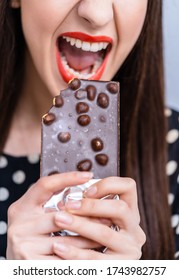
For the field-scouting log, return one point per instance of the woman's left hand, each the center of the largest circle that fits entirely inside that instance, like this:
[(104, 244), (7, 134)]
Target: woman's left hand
[(123, 244)]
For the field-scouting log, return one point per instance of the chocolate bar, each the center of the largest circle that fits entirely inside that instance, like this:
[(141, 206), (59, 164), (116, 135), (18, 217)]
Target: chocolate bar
[(81, 130)]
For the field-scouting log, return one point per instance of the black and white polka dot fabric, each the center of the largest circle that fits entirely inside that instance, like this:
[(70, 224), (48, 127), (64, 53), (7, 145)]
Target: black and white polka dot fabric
[(172, 170), (18, 173)]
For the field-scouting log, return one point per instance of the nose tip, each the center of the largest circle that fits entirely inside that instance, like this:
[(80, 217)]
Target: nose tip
[(97, 13)]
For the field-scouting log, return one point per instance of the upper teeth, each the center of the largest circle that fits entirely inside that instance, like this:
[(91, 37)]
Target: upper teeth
[(86, 46)]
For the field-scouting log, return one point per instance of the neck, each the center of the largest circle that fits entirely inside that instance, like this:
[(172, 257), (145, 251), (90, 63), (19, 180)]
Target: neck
[(36, 99), (25, 132)]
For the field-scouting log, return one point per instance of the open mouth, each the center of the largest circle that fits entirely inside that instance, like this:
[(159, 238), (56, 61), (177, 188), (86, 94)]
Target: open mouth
[(82, 56)]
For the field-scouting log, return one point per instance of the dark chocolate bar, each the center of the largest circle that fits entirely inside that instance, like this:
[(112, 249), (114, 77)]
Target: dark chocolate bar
[(81, 130)]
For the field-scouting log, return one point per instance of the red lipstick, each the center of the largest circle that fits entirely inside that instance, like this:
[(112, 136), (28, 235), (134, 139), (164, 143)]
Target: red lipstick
[(87, 38)]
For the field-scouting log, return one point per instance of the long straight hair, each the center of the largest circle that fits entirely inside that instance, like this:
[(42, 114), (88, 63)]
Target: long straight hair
[(143, 127), (11, 65), (143, 133)]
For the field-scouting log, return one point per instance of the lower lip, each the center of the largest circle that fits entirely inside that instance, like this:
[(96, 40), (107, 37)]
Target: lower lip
[(68, 76)]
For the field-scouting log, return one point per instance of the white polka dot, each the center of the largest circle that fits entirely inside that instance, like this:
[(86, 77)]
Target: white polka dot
[(33, 158), (18, 177), (3, 162), (177, 254), (168, 112), (3, 227), (171, 167), (170, 198), (4, 194), (172, 136), (2, 258), (178, 179), (175, 220)]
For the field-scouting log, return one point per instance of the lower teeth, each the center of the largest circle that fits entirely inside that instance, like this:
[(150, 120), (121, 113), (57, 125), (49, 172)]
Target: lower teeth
[(78, 74)]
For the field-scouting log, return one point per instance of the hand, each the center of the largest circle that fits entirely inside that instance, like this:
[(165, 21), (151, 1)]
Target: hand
[(125, 244), (29, 227)]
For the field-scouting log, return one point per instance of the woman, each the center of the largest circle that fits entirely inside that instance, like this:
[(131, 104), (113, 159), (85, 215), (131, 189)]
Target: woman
[(31, 76)]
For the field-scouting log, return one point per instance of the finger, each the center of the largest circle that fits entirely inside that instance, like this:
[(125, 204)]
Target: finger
[(80, 242), (124, 187), (43, 246), (97, 232), (116, 210), (41, 191), (45, 224), (68, 252)]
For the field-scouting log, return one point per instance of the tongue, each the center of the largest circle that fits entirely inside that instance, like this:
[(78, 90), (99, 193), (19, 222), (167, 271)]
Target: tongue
[(77, 58)]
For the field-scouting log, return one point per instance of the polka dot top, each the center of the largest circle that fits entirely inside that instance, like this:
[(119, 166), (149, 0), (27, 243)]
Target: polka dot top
[(172, 170), (17, 174)]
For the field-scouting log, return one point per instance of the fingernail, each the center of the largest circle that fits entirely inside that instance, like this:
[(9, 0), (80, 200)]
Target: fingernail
[(64, 218), (86, 175), (73, 204), (61, 247), (90, 191)]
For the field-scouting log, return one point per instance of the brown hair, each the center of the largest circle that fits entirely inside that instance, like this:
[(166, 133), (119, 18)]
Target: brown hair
[(11, 68), (143, 131), (143, 128)]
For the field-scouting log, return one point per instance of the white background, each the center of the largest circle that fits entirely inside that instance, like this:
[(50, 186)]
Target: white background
[(171, 51)]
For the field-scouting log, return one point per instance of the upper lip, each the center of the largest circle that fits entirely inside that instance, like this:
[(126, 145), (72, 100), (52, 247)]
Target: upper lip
[(86, 42), (87, 38)]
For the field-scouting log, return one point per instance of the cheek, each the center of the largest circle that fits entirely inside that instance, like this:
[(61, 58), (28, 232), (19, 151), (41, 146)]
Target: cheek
[(129, 22), (131, 30), (41, 20), (44, 16), (36, 21)]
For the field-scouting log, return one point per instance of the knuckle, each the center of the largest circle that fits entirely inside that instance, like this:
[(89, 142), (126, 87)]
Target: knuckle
[(131, 183), (106, 182), (12, 210), (135, 248), (137, 253), (42, 184), (12, 237), (18, 247), (110, 180), (14, 244), (21, 250), (142, 237), (138, 219)]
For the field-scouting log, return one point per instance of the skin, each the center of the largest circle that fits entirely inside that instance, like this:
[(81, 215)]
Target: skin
[(122, 21)]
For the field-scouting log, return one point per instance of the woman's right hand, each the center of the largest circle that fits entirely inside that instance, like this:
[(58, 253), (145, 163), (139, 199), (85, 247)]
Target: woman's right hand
[(29, 227)]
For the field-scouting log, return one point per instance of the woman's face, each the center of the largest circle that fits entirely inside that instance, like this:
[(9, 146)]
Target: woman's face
[(89, 39)]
